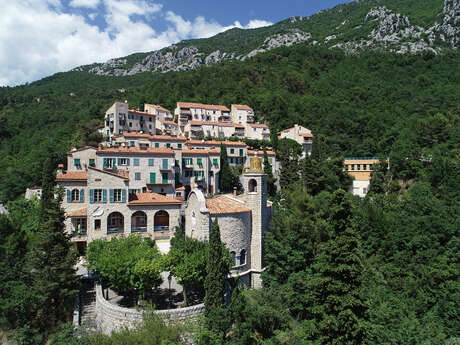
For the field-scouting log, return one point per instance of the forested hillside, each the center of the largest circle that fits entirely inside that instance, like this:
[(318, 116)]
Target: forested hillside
[(362, 105)]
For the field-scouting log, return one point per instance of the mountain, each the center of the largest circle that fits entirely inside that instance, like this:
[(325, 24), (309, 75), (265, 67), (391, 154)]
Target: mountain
[(409, 26)]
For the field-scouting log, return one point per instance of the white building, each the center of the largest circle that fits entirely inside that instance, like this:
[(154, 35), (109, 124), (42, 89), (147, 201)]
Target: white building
[(242, 114), (257, 131), (301, 135)]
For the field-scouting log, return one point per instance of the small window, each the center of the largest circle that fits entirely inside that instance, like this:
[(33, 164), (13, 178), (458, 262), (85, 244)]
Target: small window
[(157, 145), (77, 162), (92, 162), (131, 143), (123, 161), (150, 126), (233, 254), (364, 190), (364, 166), (117, 195), (358, 166), (136, 162), (252, 186), (242, 257), (137, 176), (179, 146), (150, 162), (168, 145), (97, 224), (352, 167), (98, 195), (130, 124), (75, 195), (215, 162), (232, 151)]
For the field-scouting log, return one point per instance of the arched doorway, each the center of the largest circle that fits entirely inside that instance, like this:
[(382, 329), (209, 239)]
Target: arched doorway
[(252, 186), (139, 222), (115, 222), (161, 221)]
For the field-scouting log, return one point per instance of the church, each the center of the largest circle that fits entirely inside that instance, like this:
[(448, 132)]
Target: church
[(243, 220)]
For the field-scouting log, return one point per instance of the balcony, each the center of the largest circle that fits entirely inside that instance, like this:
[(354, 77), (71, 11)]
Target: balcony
[(162, 183)]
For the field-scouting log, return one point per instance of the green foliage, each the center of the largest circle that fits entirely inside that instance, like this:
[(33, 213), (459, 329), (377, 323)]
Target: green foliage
[(129, 264), (217, 269), (268, 170), (225, 174), (187, 262), (288, 152)]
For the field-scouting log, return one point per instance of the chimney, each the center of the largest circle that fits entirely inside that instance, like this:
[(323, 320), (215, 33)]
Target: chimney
[(61, 169), (234, 191)]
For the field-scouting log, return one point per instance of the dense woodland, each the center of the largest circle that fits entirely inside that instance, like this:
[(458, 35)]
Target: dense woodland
[(340, 270)]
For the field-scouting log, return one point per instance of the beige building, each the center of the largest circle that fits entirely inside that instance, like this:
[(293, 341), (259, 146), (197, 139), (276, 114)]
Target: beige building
[(119, 120), (242, 114), (257, 131), (243, 220), (236, 150), (197, 129), (301, 135), (188, 111), (361, 170)]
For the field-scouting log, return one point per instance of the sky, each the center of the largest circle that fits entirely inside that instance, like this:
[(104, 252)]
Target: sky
[(41, 37)]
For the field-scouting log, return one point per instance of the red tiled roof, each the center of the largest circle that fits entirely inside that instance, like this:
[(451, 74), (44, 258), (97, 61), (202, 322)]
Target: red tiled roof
[(80, 149), (168, 122), (158, 107), (202, 106), (222, 204), (200, 152), (134, 135), (168, 138), (260, 153), (78, 213), (306, 135), (151, 199), (220, 124), (119, 173), (180, 188), (258, 125), (135, 151), (215, 143), (76, 176), (137, 112), (242, 106)]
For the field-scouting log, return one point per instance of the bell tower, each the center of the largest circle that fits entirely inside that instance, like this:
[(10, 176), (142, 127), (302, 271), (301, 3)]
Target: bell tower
[(255, 193)]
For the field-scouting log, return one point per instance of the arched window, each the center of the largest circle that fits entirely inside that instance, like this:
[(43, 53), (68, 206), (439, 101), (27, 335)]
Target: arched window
[(252, 186), (75, 195), (115, 222), (242, 257), (161, 221), (233, 254), (139, 222)]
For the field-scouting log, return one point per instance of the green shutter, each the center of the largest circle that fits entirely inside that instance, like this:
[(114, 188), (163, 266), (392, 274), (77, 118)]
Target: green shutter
[(152, 178), (136, 162), (131, 143), (105, 163), (114, 162), (69, 198), (232, 150), (123, 195), (165, 163), (76, 161), (82, 195), (104, 196), (92, 162), (168, 145), (150, 162), (164, 177), (137, 176), (127, 161), (200, 161), (157, 144), (119, 161), (241, 152), (179, 146), (91, 196), (214, 161), (111, 195)]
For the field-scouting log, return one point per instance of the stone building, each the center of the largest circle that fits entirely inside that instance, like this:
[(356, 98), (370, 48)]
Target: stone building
[(243, 220), (242, 114), (301, 135)]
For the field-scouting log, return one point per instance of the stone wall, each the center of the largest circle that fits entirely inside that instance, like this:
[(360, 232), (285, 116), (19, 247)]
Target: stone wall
[(110, 317)]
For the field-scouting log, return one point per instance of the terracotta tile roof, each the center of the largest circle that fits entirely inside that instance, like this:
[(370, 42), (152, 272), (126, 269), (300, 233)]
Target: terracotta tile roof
[(215, 143), (223, 204), (219, 124), (134, 135), (118, 173), (260, 153), (72, 150), (151, 199), (138, 112), (242, 107), (200, 152), (158, 107), (76, 176), (78, 213), (126, 151), (168, 122), (202, 106), (258, 125), (167, 137), (180, 188), (306, 135)]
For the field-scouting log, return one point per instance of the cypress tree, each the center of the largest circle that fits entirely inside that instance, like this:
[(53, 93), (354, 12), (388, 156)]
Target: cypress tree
[(289, 154), (225, 175), (216, 270), (338, 309), (271, 188), (51, 260)]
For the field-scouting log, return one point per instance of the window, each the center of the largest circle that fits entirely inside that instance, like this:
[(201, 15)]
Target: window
[(150, 119), (139, 222), (157, 145), (161, 221), (137, 176), (134, 191), (371, 166), (241, 152), (168, 145), (358, 166), (98, 194), (92, 162), (75, 195), (200, 162), (150, 126), (364, 166), (242, 257), (364, 190), (232, 151), (152, 178), (164, 177), (215, 162), (179, 146), (123, 161), (150, 162), (115, 222), (131, 143), (80, 226), (233, 254), (97, 224), (352, 167), (76, 161), (130, 124), (254, 129), (117, 195), (136, 162), (252, 186)]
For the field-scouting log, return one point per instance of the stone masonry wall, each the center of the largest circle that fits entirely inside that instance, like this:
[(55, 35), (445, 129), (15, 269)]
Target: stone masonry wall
[(110, 317)]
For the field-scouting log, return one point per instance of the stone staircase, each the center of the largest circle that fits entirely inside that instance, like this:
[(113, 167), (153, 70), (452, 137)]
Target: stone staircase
[(87, 309)]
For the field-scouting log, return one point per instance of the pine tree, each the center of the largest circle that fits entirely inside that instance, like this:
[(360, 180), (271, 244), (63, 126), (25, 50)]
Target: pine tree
[(216, 270), (338, 309), (378, 178), (225, 175), (51, 260), (271, 188)]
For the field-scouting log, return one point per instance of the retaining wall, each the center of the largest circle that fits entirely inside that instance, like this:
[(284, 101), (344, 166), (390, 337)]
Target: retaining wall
[(110, 317)]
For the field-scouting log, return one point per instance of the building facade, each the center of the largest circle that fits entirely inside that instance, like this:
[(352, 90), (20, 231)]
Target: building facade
[(301, 135), (361, 170)]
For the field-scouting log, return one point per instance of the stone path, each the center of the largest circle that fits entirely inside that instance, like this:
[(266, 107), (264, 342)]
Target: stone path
[(87, 308)]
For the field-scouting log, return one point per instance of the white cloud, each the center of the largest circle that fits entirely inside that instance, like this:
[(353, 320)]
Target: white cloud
[(84, 3), (39, 40)]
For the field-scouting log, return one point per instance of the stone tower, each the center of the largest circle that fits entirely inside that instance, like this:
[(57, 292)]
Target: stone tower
[(255, 193)]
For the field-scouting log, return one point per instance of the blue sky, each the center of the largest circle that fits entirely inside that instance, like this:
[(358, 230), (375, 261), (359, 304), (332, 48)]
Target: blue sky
[(42, 37)]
